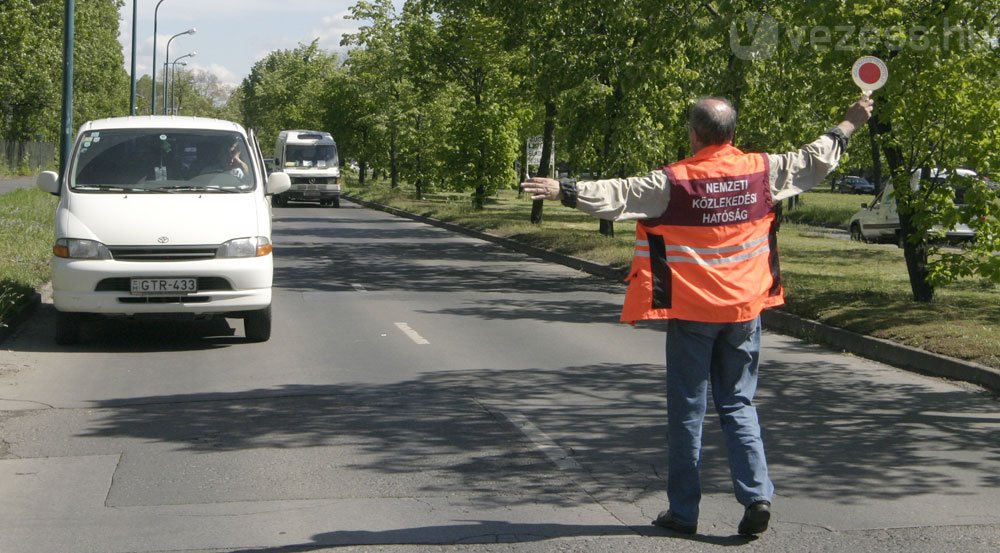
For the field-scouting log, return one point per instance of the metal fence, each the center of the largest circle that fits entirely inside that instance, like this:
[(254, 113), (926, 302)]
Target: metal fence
[(32, 156)]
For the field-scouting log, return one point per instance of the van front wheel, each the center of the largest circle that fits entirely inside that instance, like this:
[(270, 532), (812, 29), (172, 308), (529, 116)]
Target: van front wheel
[(257, 325)]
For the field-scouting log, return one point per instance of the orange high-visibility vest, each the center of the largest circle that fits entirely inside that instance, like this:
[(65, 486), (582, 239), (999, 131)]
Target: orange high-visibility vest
[(712, 255)]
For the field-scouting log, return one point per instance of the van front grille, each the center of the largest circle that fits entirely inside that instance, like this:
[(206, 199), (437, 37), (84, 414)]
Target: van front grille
[(164, 299), (163, 253)]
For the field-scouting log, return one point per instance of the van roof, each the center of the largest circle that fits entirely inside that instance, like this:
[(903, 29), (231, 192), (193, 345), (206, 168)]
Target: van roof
[(162, 122), (295, 135)]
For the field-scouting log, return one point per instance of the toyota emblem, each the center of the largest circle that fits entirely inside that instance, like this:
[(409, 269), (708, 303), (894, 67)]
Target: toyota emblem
[(163, 239)]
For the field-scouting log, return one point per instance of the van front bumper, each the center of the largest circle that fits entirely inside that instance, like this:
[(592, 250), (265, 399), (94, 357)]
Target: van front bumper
[(103, 286)]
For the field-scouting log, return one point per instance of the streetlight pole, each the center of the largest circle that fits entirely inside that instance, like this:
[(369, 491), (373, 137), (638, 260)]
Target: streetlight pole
[(66, 141), (152, 103), (173, 80), (190, 31), (131, 104)]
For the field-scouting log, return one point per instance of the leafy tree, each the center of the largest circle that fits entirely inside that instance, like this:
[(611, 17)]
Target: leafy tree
[(376, 70), (483, 141), (31, 66), (284, 90), (100, 82)]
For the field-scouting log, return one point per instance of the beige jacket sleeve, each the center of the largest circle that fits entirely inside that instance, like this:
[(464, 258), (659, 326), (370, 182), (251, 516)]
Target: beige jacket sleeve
[(647, 196)]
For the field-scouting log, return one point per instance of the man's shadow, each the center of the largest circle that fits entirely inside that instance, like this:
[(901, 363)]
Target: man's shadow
[(487, 532)]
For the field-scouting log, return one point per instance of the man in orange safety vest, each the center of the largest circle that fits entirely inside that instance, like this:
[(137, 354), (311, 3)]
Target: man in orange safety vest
[(706, 260)]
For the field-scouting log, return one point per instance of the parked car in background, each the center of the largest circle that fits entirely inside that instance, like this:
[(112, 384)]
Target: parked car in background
[(851, 184), (879, 220), (310, 160), (163, 217)]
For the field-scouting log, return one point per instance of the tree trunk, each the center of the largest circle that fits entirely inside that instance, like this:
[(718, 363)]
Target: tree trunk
[(607, 228), (545, 165), (916, 262), (876, 161), (914, 248), (393, 160)]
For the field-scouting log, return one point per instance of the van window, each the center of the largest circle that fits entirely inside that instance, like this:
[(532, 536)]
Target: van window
[(311, 155), (153, 160)]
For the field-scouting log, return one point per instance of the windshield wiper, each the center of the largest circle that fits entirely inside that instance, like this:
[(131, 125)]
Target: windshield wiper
[(115, 187), (190, 188)]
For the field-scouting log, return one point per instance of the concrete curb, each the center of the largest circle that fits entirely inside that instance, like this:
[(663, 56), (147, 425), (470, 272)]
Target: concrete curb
[(876, 349)]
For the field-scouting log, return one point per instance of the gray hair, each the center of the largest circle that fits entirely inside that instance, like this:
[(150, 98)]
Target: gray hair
[(713, 121)]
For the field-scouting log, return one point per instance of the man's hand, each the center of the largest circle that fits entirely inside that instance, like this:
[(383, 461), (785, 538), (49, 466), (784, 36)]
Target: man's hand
[(857, 115), (542, 188)]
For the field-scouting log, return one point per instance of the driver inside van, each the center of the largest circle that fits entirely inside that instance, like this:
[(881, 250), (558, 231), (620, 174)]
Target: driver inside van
[(227, 159)]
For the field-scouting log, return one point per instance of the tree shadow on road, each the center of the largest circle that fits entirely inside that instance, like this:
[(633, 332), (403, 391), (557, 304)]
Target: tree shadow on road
[(831, 433)]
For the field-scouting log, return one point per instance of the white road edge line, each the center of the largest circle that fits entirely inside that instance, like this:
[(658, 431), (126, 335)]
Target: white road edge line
[(542, 441), (417, 338)]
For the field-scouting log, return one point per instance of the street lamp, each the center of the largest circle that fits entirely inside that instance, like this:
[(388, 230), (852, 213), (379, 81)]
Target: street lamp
[(173, 79), (190, 31), (156, 14)]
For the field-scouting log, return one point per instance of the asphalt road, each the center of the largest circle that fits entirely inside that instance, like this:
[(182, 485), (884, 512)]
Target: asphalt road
[(8, 184), (424, 389)]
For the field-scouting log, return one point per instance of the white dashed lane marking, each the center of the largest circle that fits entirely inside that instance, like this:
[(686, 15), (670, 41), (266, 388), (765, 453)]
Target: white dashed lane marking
[(412, 334)]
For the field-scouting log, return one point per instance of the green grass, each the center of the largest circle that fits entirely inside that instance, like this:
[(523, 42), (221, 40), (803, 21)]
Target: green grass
[(26, 219), (851, 285), (826, 209)]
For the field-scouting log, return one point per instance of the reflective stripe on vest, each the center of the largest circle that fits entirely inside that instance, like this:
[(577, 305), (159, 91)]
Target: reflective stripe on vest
[(712, 255), (699, 255)]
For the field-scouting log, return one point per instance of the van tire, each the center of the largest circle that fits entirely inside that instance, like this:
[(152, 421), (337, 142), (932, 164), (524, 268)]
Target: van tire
[(257, 325), (67, 328), (856, 233), (336, 202)]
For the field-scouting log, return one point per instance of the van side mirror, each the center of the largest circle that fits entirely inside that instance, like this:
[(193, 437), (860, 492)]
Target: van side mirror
[(48, 181), (277, 183)]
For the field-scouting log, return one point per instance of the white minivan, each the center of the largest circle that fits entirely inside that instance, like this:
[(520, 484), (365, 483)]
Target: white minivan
[(879, 220), (159, 216)]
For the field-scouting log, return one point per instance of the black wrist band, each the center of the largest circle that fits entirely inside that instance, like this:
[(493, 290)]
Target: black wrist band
[(568, 189), (838, 135)]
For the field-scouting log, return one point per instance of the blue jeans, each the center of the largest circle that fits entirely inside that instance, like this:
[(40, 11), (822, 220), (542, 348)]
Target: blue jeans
[(725, 355)]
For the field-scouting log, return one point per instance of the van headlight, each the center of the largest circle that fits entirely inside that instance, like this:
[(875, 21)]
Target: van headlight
[(255, 246), (77, 248)]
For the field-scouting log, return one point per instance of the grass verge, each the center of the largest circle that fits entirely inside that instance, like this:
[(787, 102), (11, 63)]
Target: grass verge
[(859, 287), (26, 219)]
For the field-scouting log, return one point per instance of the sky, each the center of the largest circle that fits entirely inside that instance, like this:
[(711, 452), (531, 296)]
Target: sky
[(232, 35)]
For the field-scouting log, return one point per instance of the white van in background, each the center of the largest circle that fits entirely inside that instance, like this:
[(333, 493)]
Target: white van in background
[(163, 216), (309, 158), (879, 221)]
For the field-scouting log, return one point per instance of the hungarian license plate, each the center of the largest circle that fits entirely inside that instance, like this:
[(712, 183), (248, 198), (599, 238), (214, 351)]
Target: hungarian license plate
[(164, 286)]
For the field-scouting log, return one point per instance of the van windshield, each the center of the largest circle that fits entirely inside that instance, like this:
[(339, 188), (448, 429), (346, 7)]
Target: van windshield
[(311, 155), (162, 161)]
